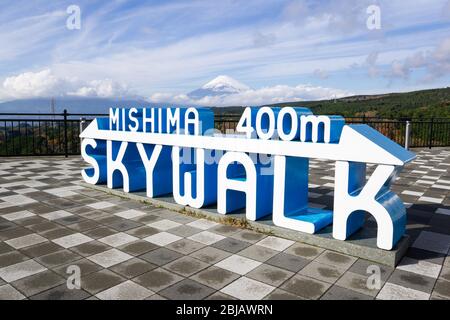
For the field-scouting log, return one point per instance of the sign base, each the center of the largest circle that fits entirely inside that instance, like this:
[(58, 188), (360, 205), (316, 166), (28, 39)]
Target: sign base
[(362, 244)]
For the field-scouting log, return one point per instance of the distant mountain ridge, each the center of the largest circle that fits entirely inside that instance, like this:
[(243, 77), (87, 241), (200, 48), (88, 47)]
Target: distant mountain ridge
[(418, 104)]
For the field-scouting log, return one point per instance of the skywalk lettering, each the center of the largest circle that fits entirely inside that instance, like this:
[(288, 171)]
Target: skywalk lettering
[(263, 167)]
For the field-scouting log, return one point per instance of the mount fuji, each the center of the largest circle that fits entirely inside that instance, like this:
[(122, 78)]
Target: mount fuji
[(219, 86)]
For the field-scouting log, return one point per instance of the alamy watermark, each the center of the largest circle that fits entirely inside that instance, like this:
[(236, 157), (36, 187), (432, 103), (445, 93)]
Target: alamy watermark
[(73, 21)]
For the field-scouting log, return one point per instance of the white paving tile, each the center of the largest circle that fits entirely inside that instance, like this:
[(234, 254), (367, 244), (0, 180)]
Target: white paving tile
[(430, 199), (247, 289), (7, 292), (392, 291), (202, 224), (26, 241), (275, 243), (162, 239), (109, 258), (101, 205), (72, 240), (118, 239), (206, 237), (130, 214), (56, 215), (127, 290), (18, 199), (164, 225), (421, 267), (25, 190), (412, 193), (18, 215), (440, 186), (20, 270), (238, 264)]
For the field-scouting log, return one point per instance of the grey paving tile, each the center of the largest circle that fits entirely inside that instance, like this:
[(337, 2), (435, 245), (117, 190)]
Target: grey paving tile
[(12, 233), (359, 283), (249, 236), (259, 253), (186, 290), (90, 248), (86, 267), (100, 232), (335, 259), (124, 225), (305, 287), (231, 245), (432, 241), (138, 247), (412, 280), (160, 256), (157, 279), (210, 255), (442, 288), (270, 275), (279, 294), (143, 232), (322, 272), (11, 257), (215, 277), (41, 249), (288, 262), (219, 296), (225, 230), (364, 267), (304, 250), (133, 268), (37, 283), (185, 246), (57, 233), (58, 258), (100, 281), (339, 293), (186, 266), (127, 290), (445, 273)]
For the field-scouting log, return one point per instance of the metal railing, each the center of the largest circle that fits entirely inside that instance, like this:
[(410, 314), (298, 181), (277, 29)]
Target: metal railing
[(31, 134)]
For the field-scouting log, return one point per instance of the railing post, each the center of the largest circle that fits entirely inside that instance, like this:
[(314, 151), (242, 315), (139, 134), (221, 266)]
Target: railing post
[(407, 134), (430, 141), (66, 146), (82, 127)]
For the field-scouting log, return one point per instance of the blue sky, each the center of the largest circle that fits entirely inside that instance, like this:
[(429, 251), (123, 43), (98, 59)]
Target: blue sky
[(160, 50)]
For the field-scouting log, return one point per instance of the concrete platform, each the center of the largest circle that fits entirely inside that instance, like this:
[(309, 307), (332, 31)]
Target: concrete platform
[(361, 245)]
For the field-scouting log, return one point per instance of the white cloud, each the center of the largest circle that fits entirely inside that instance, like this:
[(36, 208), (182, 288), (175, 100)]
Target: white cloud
[(435, 62), (45, 83), (266, 95)]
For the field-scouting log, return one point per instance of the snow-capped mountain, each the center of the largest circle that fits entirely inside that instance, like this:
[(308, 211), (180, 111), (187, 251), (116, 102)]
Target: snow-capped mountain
[(219, 86)]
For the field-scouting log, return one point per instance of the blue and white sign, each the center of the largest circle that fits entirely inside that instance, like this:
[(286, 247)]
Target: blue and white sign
[(263, 167)]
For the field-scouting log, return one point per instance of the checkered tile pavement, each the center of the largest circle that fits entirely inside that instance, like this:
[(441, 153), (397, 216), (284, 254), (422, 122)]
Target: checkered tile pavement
[(50, 226)]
